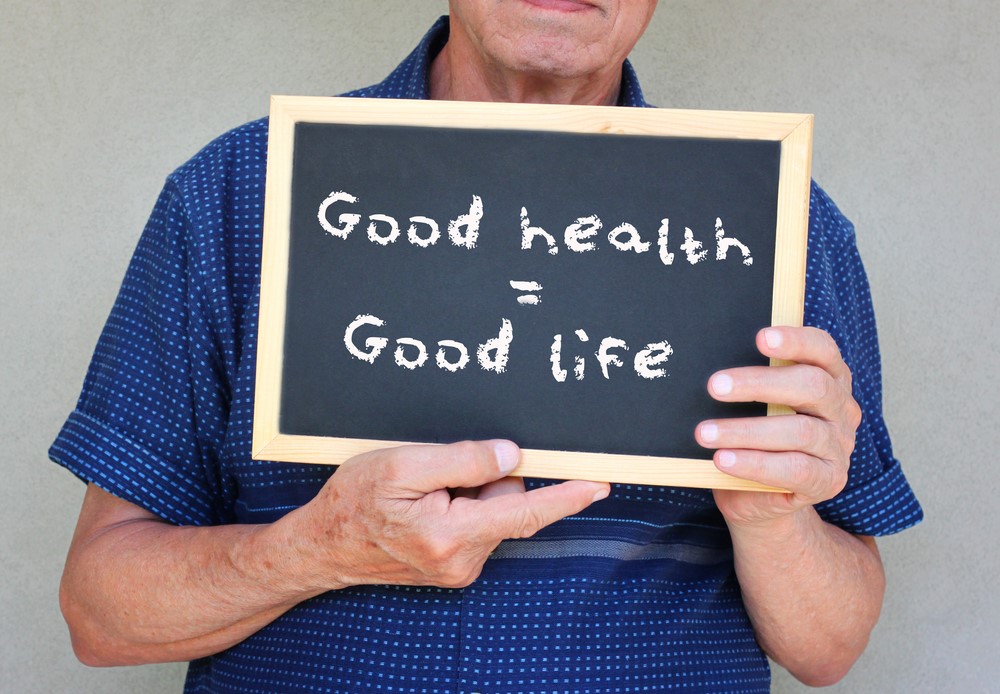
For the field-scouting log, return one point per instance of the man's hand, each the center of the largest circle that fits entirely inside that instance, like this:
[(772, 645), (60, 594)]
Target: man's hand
[(808, 452), (812, 590), (138, 590), (425, 515)]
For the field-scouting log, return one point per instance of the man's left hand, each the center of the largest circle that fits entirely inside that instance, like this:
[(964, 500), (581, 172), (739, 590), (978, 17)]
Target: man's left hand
[(808, 452)]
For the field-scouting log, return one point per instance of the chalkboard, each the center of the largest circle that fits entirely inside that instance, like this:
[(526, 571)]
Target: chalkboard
[(565, 277)]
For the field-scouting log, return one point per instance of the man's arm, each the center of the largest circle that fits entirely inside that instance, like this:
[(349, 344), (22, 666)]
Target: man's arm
[(813, 591), (139, 590)]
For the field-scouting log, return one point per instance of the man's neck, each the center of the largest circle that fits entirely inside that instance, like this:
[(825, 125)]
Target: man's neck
[(459, 73)]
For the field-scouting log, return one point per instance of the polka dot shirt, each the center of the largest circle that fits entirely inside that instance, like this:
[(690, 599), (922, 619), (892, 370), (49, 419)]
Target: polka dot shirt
[(636, 594)]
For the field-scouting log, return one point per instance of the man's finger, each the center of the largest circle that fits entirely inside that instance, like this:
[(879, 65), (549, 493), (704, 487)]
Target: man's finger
[(792, 432), (523, 515), (800, 473), (805, 346), (426, 468), (507, 485), (806, 389)]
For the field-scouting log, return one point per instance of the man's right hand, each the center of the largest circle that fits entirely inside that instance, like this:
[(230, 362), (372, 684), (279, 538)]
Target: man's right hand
[(137, 589), (423, 515)]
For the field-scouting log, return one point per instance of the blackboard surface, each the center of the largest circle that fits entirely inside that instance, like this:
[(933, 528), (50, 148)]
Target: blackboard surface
[(708, 311)]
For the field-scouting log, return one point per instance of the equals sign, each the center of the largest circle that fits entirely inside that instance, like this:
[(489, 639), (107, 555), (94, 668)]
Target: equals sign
[(527, 299)]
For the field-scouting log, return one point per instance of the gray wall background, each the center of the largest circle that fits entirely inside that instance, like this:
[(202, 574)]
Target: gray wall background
[(100, 100)]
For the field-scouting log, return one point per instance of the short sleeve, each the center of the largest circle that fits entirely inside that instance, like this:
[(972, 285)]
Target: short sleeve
[(878, 499), (144, 426)]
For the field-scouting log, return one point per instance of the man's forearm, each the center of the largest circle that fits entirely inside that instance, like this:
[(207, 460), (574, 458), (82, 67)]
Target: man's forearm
[(138, 590), (813, 592), (141, 591)]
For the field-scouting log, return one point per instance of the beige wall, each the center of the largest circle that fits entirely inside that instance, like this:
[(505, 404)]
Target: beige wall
[(99, 100)]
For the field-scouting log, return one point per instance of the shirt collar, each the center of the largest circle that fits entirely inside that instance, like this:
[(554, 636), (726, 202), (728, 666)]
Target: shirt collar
[(411, 80)]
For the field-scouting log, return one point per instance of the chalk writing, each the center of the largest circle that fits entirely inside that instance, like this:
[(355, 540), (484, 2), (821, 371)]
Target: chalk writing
[(581, 235), (412, 354)]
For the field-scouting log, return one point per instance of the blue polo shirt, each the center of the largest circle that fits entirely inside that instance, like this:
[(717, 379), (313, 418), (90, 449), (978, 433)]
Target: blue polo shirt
[(637, 593)]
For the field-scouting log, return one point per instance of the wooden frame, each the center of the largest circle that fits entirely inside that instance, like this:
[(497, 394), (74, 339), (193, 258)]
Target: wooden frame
[(793, 131)]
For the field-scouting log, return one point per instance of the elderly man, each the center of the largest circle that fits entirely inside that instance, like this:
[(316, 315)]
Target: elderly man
[(425, 568)]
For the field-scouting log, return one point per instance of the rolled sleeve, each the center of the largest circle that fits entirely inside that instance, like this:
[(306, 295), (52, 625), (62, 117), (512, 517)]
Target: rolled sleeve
[(139, 427), (877, 499)]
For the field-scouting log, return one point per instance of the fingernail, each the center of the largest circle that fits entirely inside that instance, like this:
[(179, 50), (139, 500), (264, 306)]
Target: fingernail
[(602, 494), (722, 384), (772, 338), (508, 455), (727, 459), (709, 432)]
